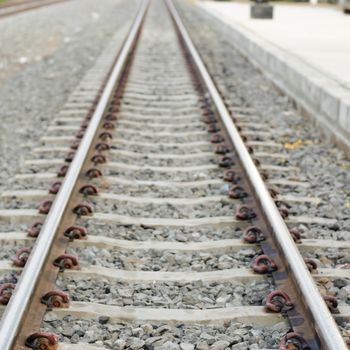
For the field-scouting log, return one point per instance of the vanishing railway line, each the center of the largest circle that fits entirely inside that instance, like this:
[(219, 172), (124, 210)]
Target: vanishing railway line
[(158, 229)]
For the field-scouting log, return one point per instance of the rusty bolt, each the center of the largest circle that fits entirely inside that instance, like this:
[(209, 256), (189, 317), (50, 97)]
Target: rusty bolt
[(21, 257), (66, 261), (209, 120), (221, 149), (75, 232), (84, 125), (256, 162), (93, 173), (102, 146), (237, 192), (55, 187), (217, 138), (98, 159), (34, 228), (6, 291), (55, 298), (250, 149), (264, 175), (114, 109), (244, 213), (278, 301), (63, 171), (332, 303), (273, 192), (212, 127), (293, 341), (42, 341), (83, 210), (104, 136), (253, 234), (311, 264), (111, 117), (206, 107), (295, 233), (80, 134), (203, 99), (226, 162), (231, 176), (264, 264), (284, 212), (108, 126), (89, 190), (75, 144), (45, 207), (69, 157)]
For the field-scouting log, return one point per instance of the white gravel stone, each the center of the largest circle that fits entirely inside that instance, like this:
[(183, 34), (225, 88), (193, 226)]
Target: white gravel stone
[(186, 346)]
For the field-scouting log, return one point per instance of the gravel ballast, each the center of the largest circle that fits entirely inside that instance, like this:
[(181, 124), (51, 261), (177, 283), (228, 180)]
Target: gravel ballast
[(171, 234), (162, 336), (169, 295), (165, 260), (45, 53)]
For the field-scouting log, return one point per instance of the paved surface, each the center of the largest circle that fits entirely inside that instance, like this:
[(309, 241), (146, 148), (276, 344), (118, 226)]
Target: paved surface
[(315, 34), (305, 51)]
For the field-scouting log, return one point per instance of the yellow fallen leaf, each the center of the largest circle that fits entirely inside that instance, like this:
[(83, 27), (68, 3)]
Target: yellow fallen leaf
[(344, 166), (295, 145), (347, 205)]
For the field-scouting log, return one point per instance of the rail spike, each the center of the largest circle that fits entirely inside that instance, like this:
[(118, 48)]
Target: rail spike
[(6, 291), (67, 261), (293, 340), (76, 232), (253, 234), (55, 299), (83, 209), (42, 341), (278, 301), (264, 264), (34, 228), (21, 257)]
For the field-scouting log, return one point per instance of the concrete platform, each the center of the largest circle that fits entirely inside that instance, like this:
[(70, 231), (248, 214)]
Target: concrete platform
[(305, 50)]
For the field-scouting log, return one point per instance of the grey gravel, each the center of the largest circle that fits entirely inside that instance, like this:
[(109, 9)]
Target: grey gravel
[(210, 209), (155, 260), (159, 148), (171, 191), (162, 336), (149, 174), (45, 53), (145, 233), (171, 295)]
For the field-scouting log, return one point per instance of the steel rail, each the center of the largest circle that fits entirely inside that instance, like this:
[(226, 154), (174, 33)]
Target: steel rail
[(16, 309), (325, 325)]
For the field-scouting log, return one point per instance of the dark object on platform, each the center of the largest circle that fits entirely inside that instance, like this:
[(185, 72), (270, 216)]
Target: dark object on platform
[(261, 10), (346, 7)]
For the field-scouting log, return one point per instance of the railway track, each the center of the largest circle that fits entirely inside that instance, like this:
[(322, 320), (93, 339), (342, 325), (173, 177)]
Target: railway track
[(144, 222), (15, 7)]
